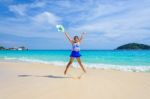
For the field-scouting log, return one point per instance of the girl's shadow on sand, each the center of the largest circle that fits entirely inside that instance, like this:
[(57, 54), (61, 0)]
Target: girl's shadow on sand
[(47, 76)]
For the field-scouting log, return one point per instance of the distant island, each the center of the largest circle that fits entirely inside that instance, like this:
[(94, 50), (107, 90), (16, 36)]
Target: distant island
[(14, 48), (133, 46)]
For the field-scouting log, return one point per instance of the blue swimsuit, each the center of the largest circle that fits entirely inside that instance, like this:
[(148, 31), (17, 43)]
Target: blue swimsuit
[(75, 50)]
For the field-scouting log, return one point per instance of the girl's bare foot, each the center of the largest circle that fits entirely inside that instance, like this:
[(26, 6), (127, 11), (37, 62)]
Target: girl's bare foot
[(64, 72)]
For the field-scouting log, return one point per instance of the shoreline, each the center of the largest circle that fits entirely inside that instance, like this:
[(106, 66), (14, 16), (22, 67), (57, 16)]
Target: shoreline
[(126, 68)]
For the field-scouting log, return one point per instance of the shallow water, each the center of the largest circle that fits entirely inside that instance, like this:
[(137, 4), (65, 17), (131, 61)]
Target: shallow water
[(112, 59)]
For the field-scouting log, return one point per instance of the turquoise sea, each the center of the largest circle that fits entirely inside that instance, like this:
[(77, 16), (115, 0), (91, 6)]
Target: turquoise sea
[(136, 61)]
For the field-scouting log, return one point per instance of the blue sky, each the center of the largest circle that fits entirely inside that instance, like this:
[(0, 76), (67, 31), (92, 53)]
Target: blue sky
[(108, 23)]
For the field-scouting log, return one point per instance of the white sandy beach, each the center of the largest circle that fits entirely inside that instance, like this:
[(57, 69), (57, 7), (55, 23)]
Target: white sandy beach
[(20, 80)]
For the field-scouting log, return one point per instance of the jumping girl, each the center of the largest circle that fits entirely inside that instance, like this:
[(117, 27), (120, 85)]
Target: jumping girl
[(75, 51)]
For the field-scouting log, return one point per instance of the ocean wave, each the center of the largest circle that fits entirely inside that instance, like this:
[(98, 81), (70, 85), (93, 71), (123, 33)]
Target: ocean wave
[(120, 67), (88, 65)]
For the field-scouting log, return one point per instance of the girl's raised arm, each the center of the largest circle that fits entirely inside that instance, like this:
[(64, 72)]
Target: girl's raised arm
[(68, 37), (82, 36)]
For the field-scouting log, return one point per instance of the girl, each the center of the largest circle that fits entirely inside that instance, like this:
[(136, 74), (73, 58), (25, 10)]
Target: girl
[(75, 51)]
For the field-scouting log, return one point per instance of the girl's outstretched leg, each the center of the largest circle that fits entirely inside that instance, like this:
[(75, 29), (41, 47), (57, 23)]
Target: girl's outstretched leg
[(80, 63), (68, 65)]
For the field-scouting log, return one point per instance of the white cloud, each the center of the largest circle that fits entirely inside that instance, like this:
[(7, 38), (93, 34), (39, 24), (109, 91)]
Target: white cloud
[(18, 9), (21, 9), (47, 17), (37, 4)]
